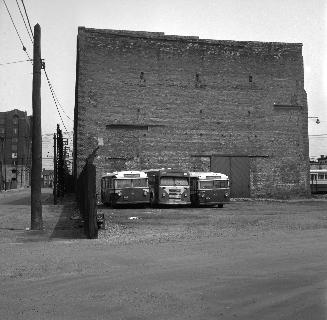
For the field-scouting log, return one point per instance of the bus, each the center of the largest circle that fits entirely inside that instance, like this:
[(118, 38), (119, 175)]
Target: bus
[(169, 187), (318, 180), (125, 188), (209, 189)]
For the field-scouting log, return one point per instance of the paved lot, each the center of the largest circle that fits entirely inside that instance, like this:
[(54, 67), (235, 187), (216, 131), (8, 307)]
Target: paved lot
[(250, 260)]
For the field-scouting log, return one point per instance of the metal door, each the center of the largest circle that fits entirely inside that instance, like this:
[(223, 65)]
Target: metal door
[(238, 170)]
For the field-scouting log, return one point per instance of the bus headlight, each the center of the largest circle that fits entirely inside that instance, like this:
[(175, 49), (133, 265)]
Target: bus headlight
[(226, 194), (119, 193), (145, 192), (163, 195)]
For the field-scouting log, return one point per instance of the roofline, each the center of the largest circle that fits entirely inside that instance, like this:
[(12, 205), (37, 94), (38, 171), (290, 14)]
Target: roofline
[(163, 36)]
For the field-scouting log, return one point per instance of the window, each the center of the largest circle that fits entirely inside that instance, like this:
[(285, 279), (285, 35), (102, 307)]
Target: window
[(14, 147), (14, 140), (173, 181), (14, 155), (15, 120), (140, 183), (15, 131), (321, 176), (2, 130), (206, 184)]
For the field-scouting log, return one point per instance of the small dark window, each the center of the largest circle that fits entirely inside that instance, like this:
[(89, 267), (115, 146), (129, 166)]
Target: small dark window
[(15, 120), (250, 78), (142, 79)]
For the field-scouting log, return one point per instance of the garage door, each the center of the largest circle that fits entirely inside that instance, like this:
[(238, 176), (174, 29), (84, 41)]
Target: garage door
[(238, 170)]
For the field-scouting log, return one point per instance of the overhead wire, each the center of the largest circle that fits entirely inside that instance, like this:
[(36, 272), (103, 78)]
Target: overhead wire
[(58, 100), (20, 39), (12, 62), (30, 33), (54, 99), (28, 30), (28, 20)]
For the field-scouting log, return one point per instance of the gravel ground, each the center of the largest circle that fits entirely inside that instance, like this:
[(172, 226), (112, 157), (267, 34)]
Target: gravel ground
[(128, 225), (251, 260)]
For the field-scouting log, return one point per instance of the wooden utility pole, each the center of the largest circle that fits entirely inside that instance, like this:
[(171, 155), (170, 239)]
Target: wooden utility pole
[(36, 204)]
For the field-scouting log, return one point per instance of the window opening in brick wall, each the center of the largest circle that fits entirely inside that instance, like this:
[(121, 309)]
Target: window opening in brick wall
[(142, 80), (197, 80), (250, 78), (15, 120)]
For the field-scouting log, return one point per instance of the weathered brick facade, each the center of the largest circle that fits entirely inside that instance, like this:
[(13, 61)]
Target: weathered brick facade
[(170, 101)]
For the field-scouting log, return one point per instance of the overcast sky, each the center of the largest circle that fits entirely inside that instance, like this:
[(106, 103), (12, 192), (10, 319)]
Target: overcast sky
[(302, 21)]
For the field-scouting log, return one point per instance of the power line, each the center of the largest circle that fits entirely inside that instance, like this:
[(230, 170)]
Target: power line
[(59, 102), (27, 18), (12, 62), (28, 31), (20, 39), (54, 99)]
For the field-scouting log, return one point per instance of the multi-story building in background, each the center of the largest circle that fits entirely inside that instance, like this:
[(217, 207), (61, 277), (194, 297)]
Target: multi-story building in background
[(15, 147), (47, 150)]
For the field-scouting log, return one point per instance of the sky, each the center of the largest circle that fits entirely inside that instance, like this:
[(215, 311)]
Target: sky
[(303, 21)]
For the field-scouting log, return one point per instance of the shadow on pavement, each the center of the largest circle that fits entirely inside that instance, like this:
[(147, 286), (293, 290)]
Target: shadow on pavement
[(67, 226)]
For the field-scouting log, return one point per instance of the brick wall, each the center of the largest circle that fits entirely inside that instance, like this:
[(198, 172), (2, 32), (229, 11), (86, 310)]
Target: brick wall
[(160, 101)]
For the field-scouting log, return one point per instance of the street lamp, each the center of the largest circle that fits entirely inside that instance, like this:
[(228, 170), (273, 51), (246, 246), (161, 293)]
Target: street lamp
[(317, 121)]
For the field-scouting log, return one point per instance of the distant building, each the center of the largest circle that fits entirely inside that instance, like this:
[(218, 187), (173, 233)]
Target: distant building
[(320, 163), (15, 146), (47, 150), (47, 178)]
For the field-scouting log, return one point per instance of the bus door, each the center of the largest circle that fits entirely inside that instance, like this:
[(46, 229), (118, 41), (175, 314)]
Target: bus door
[(194, 190)]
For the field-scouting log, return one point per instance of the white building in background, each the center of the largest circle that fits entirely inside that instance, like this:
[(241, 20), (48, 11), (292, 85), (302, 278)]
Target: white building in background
[(47, 150)]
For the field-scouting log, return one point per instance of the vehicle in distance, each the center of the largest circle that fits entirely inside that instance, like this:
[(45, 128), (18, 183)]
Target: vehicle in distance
[(169, 187), (209, 189), (125, 188)]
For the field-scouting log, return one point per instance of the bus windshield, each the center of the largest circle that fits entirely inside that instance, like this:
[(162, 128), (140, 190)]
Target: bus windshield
[(174, 181), (131, 183), (213, 184)]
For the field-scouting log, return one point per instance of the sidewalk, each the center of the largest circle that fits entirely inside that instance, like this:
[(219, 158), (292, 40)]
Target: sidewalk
[(15, 218)]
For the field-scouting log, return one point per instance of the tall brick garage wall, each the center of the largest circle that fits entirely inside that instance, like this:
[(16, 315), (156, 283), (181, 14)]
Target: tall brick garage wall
[(170, 101)]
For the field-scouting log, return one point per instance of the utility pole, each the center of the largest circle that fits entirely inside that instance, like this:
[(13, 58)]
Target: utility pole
[(36, 204), (55, 172)]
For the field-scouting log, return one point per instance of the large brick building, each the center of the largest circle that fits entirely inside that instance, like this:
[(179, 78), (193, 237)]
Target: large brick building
[(15, 149), (172, 101)]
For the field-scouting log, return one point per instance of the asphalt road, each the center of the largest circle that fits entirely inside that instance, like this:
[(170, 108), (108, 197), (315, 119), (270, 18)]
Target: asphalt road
[(250, 260)]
